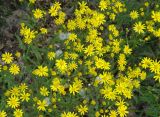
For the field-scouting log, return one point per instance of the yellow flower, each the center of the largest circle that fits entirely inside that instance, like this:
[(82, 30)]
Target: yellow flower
[(146, 4), (38, 13), (139, 27), (102, 64), (43, 30), (108, 93), (127, 50), (61, 18), (3, 114), (72, 37), (51, 55), (54, 9), (89, 51), (93, 102), (112, 16), (122, 110), (71, 25), (146, 62), (14, 69), (69, 114), (156, 16), (32, 1), (7, 57), (23, 87), (18, 113), (5, 68), (13, 102), (44, 91), (41, 71), (55, 84), (18, 54), (76, 87), (25, 96), (72, 66), (155, 67), (103, 5), (82, 109), (15, 91), (134, 14), (61, 65), (27, 33), (113, 113), (73, 89), (42, 105)]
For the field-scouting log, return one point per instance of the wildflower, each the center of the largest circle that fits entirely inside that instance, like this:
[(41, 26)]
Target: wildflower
[(69, 114), (32, 1), (103, 5), (76, 87), (7, 57), (13, 102), (25, 96), (102, 64), (71, 25), (55, 84), (156, 16), (61, 18), (5, 68), (44, 91), (127, 50), (108, 93), (61, 65), (51, 55), (42, 105), (72, 37), (106, 77), (139, 27), (146, 62), (93, 102), (82, 109), (53, 11), (122, 110), (157, 77), (134, 14), (14, 69), (38, 13), (18, 113), (23, 87), (113, 113), (41, 71), (155, 67), (89, 51), (43, 30), (28, 34), (15, 91), (112, 16), (72, 66), (18, 54), (3, 114), (73, 89)]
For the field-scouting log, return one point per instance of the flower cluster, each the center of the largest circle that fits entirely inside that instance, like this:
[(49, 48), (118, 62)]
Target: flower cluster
[(82, 63)]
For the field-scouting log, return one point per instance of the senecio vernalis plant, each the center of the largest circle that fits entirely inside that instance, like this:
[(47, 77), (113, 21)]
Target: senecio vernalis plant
[(80, 61)]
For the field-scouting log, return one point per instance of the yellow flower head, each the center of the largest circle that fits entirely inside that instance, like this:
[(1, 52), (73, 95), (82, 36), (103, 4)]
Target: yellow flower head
[(139, 27), (18, 113), (7, 57), (134, 14), (14, 69)]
